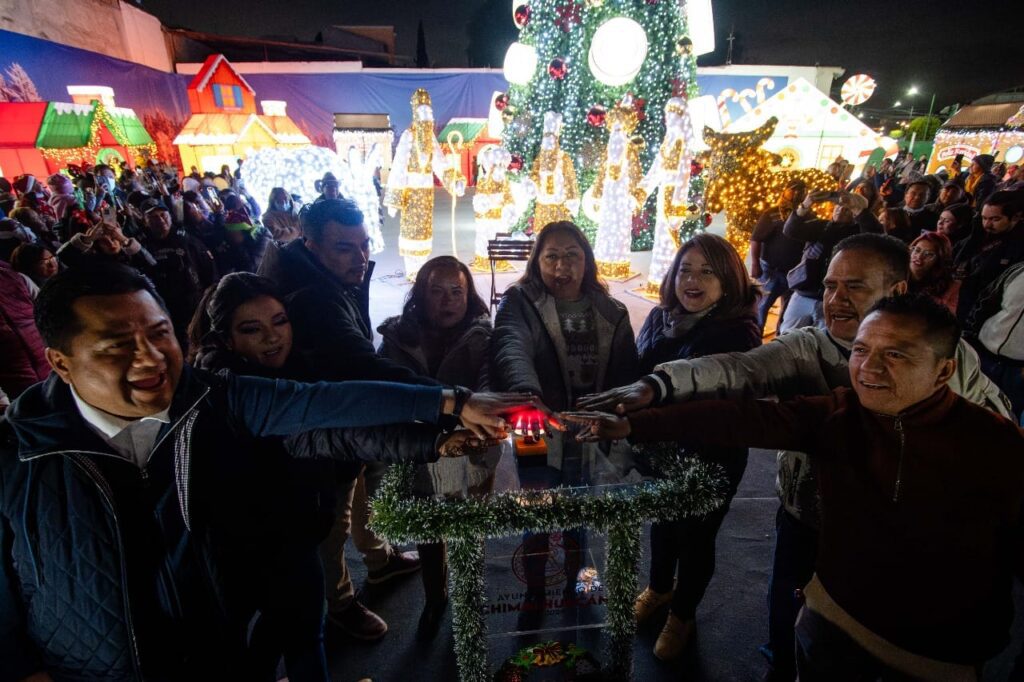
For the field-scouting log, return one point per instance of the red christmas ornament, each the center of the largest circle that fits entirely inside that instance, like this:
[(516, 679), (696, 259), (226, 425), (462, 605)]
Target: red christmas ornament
[(521, 15), (516, 163), (570, 14), (695, 168), (640, 107), (707, 219), (557, 68), (596, 115), (501, 101)]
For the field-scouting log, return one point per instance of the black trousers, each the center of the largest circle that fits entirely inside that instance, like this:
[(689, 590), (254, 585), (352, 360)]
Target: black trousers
[(684, 551)]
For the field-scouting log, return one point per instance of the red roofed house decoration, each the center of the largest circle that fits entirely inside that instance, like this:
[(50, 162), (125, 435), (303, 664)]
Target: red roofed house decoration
[(225, 124)]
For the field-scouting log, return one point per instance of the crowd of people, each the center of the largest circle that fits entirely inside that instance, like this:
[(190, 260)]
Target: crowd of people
[(196, 417)]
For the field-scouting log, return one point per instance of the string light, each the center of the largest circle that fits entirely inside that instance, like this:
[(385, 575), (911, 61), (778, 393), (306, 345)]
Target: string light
[(295, 170), (970, 143), (618, 190), (742, 181), (100, 116), (493, 205)]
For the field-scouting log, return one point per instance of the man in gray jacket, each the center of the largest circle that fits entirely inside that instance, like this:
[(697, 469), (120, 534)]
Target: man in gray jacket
[(809, 361)]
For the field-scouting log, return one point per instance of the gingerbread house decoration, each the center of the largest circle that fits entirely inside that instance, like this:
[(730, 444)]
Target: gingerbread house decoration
[(225, 124)]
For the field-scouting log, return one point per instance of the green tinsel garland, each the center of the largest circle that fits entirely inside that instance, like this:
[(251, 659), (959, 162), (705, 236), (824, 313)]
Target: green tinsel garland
[(689, 488)]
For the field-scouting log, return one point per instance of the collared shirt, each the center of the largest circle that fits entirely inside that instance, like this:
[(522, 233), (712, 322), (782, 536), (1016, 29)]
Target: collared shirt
[(133, 439)]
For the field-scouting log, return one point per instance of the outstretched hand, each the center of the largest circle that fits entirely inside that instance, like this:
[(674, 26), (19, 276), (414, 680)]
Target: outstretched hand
[(486, 414), (622, 400), (598, 425)]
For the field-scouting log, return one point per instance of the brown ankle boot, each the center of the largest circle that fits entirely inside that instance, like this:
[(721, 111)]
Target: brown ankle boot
[(675, 637), (648, 602)]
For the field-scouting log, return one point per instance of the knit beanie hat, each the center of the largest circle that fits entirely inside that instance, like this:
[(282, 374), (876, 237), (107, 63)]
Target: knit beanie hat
[(986, 161), (23, 183)]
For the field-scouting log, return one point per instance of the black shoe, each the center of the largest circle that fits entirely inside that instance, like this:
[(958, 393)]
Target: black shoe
[(430, 620), (359, 622)]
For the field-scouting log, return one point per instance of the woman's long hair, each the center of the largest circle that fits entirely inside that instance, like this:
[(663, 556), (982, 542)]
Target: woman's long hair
[(739, 292), (940, 276), (591, 282), (414, 311), (211, 323)]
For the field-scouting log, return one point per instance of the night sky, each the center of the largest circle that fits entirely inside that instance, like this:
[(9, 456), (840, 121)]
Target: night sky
[(958, 50)]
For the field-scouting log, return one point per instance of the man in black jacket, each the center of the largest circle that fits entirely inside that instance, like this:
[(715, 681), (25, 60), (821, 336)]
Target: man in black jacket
[(328, 276), (115, 476), (996, 242), (183, 268)]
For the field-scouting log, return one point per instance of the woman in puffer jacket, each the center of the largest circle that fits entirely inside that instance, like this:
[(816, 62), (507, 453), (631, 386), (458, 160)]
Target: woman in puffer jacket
[(443, 333)]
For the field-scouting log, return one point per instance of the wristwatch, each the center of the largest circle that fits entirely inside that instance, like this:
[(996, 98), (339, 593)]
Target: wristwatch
[(462, 395)]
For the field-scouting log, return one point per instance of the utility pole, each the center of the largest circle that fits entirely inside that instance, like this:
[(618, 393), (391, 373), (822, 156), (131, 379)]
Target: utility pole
[(731, 38)]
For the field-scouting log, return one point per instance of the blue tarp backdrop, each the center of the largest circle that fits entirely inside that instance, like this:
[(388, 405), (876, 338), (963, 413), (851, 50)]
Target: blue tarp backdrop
[(32, 69)]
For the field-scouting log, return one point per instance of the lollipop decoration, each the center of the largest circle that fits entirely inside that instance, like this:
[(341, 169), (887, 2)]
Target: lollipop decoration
[(857, 89)]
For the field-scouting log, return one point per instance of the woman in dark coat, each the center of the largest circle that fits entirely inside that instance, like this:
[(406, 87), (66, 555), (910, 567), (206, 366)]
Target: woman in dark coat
[(708, 305), (242, 326), (443, 333), (558, 334)]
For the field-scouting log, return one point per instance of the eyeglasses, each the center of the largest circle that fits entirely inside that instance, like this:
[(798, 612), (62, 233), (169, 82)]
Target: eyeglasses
[(918, 251)]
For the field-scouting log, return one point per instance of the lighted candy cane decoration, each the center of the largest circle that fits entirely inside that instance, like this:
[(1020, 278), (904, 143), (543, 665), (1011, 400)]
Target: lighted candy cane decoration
[(763, 86), (670, 171), (743, 98), (723, 105)]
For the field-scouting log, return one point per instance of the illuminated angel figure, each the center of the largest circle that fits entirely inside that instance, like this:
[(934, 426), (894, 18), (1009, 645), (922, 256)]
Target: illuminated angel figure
[(411, 184), (617, 194), (671, 172), (554, 176), (493, 205)]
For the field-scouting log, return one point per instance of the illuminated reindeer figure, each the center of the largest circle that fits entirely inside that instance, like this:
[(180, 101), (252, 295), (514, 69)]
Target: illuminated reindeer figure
[(741, 180)]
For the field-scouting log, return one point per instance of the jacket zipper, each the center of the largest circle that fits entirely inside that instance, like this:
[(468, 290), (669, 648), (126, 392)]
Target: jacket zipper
[(898, 424), (101, 484)]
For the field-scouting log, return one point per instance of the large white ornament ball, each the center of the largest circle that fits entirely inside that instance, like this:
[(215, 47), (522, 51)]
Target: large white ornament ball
[(520, 63), (617, 51)]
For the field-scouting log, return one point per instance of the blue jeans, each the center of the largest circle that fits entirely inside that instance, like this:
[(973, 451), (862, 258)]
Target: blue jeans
[(775, 287), (796, 548), (802, 311)]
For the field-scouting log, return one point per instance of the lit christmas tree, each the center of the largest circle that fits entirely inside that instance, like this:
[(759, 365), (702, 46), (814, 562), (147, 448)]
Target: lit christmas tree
[(581, 58)]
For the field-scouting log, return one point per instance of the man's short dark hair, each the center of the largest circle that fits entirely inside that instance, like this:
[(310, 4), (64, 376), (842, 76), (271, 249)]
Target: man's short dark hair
[(1009, 202), (314, 217), (924, 183), (55, 316), (940, 326), (890, 251)]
